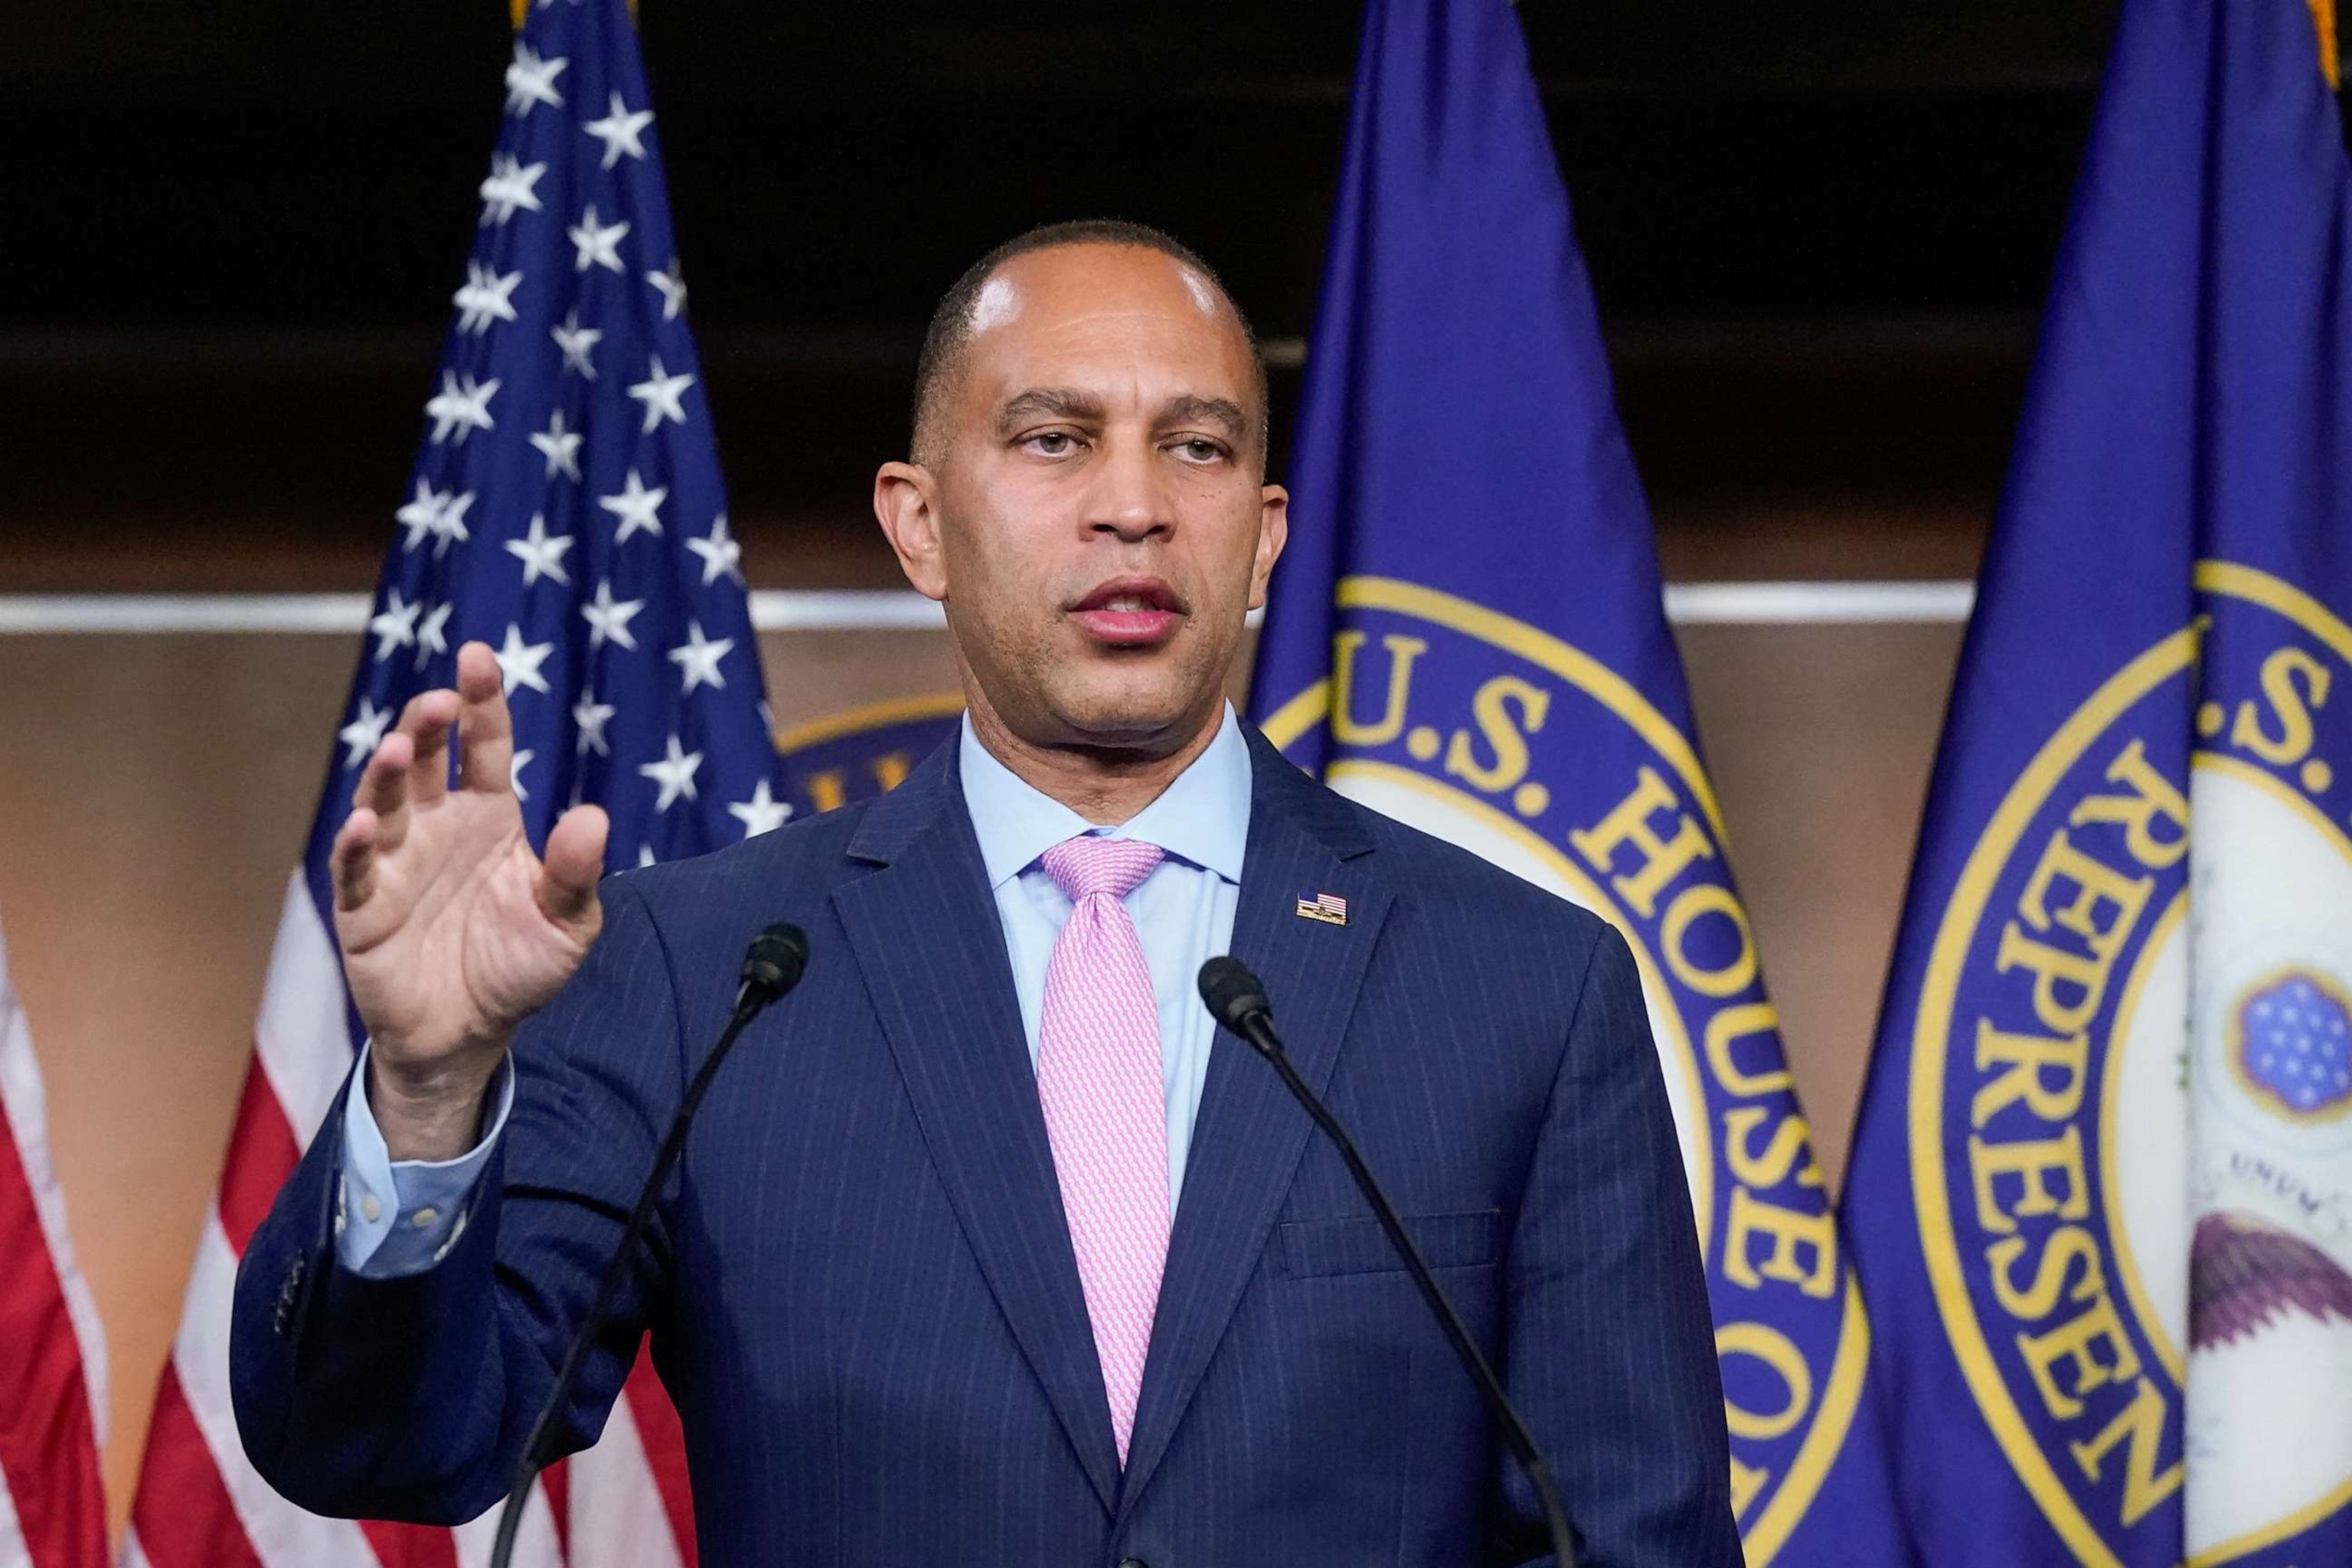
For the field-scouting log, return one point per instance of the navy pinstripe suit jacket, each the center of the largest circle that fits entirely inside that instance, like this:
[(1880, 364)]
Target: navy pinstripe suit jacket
[(861, 1288)]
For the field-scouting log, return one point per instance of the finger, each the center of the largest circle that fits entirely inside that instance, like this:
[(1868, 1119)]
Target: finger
[(575, 858), (426, 721), (351, 861), (485, 728), (383, 785)]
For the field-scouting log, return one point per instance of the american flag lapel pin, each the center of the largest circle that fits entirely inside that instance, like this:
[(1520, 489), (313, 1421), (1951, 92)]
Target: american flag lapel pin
[(1328, 908)]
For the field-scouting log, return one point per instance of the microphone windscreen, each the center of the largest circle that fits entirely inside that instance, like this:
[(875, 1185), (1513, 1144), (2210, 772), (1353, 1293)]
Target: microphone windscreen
[(1231, 992), (775, 958)]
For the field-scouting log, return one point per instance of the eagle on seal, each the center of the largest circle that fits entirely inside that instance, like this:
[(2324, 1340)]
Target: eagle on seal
[(2243, 1273)]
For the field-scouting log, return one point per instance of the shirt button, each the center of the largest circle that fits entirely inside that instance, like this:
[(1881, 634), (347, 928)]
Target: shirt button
[(423, 1218), (370, 1208), (1133, 1563)]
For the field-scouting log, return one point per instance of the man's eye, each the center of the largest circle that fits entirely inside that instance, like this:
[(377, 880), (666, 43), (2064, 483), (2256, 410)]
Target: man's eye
[(1199, 449), (1052, 443)]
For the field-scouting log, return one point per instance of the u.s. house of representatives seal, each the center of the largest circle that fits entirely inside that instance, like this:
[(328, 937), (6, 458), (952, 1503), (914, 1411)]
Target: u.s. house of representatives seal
[(864, 751), (1511, 743), (2131, 1096)]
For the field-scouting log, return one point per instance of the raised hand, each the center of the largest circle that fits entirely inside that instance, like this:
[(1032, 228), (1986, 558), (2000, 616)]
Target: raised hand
[(453, 931)]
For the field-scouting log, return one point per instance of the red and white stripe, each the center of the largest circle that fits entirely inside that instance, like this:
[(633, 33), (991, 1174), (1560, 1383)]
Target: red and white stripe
[(52, 1351), (201, 1504)]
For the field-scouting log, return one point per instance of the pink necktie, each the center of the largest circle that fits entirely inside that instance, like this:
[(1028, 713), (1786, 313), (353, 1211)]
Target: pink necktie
[(1098, 1076)]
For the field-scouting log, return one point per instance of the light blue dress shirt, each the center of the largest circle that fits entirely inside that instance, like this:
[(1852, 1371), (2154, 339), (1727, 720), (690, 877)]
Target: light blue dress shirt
[(401, 1218)]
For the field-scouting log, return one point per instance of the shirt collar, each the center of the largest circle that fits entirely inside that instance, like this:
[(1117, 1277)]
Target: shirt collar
[(1202, 816)]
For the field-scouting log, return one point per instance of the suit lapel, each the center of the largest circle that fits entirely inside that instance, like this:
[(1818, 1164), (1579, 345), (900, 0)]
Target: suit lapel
[(928, 941), (1248, 1136)]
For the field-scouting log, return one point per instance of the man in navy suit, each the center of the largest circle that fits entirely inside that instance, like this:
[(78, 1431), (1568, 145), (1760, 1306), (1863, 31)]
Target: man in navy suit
[(987, 1249)]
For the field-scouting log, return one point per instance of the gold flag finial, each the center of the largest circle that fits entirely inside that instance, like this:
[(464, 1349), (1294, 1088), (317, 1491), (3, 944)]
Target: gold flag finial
[(518, 9), (2323, 17)]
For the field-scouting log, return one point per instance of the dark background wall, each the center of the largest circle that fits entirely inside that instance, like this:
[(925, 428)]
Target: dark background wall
[(299, 160), (1818, 235)]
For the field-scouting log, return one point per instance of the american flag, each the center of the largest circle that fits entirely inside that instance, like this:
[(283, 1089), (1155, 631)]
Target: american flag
[(1328, 908), (52, 1354), (566, 508)]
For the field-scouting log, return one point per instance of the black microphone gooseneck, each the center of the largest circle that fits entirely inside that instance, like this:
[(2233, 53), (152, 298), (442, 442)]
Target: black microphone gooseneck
[(1237, 1001), (771, 966)]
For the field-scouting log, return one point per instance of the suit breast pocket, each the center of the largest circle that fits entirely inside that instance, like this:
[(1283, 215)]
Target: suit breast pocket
[(1313, 1248)]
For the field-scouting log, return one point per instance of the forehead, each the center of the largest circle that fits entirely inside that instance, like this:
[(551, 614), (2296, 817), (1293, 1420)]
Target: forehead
[(1103, 311)]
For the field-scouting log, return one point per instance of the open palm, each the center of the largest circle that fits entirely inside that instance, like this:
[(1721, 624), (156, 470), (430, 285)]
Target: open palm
[(453, 931)]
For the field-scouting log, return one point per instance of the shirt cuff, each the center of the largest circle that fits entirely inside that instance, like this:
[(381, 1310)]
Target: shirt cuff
[(398, 1218)]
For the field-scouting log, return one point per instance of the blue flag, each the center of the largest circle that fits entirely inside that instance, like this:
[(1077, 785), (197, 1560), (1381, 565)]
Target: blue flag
[(1467, 633), (566, 505), (2102, 1192)]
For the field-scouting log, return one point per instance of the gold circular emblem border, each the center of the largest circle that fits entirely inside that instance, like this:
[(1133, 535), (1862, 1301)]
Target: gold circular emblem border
[(1570, 663), (789, 739), (1932, 1028), (1841, 1392)]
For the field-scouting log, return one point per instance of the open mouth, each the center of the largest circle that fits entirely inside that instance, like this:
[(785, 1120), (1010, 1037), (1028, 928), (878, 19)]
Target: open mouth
[(1130, 612)]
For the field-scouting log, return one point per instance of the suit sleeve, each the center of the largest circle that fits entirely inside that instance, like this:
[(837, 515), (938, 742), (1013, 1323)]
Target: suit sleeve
[(409, 1397), (1609, 1346)]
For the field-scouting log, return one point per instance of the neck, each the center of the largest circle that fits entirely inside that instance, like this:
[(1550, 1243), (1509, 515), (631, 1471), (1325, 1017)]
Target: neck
[(1106, 785)]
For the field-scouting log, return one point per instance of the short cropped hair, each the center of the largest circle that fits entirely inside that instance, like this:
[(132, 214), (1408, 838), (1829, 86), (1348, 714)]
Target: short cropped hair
[(946, 341)]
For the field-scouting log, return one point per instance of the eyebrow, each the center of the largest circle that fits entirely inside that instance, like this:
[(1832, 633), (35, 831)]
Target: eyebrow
[(1223, 411), (1068, 403), (1057, 402)]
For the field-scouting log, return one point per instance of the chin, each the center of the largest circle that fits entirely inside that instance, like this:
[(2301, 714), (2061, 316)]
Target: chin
[(1124, 712)]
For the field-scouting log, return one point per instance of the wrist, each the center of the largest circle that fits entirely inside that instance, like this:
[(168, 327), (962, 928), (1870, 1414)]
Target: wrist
[(432, 1112)]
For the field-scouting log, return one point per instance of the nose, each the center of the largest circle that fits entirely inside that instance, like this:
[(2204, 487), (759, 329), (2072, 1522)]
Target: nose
[(1131, 501)]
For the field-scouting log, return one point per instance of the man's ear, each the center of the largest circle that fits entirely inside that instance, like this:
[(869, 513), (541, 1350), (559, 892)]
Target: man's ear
[(1273, 532), (906, 503)]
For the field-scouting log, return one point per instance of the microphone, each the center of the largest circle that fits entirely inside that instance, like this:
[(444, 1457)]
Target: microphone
[(1236, 999), (772, 965)]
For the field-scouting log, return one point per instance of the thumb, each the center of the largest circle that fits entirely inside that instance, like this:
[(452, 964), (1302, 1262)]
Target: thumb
[(575, 858)]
